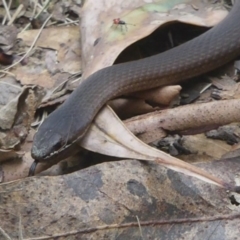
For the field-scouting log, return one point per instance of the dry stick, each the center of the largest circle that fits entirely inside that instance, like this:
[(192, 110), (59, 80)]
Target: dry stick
[(16, 13), (140, 228), (143, 223), (34, 8), (67, 23), (7, 11), (20, 227), (31, 47), (6, 72), (4, 234), (9, 84), (9, 6), (194, 116)]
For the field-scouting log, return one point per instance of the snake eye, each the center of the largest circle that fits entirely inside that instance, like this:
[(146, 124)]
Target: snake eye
[(56, 142), (57, 146)]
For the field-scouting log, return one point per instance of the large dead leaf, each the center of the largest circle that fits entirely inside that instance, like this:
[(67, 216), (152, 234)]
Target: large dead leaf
[(102, 42), (121, 200)]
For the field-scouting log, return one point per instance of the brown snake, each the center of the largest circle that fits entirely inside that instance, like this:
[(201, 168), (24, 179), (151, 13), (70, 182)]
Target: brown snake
[(68, 124)]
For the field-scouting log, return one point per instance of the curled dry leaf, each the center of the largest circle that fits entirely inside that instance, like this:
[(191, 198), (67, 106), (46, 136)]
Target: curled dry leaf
[(144, 102), (161, 96), (108, 139), (129, 107), (104, 137)]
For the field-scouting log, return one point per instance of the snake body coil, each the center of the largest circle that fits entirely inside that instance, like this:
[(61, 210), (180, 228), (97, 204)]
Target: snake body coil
[(70, 121)]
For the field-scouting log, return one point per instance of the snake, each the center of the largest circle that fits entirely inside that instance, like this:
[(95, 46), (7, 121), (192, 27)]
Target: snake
[(63, 128)]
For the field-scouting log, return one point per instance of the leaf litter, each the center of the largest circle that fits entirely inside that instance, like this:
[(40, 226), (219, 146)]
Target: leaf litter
[(110, 41)]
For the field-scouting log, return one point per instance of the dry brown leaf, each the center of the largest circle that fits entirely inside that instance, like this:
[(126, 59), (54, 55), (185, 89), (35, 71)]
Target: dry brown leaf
[(59, 54), (65, 40), (213, 149), (34, 71), (125, 200), (51, 37)]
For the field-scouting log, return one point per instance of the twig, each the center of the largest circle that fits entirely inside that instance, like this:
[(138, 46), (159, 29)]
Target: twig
[(20, 227), (140, 228), (16, 13), (35, 8), (4, 234), (133, 224), (7, 11)]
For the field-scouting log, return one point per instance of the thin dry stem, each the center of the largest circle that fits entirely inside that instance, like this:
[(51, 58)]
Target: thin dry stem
[(16, 13), (8, 15)]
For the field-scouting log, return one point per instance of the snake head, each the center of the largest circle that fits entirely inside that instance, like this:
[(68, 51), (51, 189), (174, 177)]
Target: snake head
[(51, 146), (41, 149), (57, 136)]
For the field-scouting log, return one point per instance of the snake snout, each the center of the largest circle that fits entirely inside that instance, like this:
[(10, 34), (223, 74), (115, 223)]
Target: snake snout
[(40, 150)]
